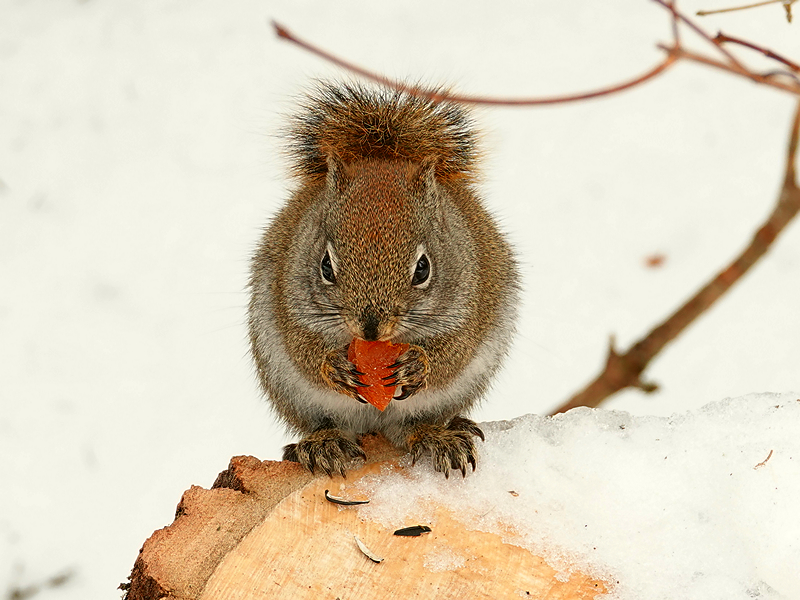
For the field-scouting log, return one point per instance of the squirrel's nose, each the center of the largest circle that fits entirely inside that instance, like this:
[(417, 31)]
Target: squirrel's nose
[(374, 322), (370, 322)]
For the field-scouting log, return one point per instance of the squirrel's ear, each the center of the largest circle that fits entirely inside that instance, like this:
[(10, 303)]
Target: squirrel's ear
[(426, 175), (427, 187), (336, 179)]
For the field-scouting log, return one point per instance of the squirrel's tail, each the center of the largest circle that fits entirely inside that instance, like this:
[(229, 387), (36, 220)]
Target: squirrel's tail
[(356, 122)]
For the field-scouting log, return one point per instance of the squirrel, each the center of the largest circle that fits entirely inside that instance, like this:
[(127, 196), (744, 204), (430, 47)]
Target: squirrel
[(383, 239)]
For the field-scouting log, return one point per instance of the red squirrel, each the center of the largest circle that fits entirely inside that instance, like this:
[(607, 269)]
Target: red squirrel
[(384, 238)]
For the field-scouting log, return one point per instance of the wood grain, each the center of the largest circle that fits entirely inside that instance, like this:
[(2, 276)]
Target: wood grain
[(305, 549)]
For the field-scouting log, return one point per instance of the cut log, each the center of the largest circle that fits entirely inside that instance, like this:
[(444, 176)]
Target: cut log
[(265, 530)]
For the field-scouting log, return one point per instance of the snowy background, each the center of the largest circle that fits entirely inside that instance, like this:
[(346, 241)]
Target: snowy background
[(140, 159)]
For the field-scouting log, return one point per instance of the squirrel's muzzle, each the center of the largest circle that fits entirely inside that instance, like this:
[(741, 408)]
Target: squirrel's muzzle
[(375, 323)]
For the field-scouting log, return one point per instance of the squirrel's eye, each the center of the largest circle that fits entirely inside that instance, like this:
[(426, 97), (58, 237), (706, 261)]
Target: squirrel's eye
[(326, 269), (421, 272)]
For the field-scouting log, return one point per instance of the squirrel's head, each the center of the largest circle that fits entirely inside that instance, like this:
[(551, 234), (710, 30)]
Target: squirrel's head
[(382, 254)]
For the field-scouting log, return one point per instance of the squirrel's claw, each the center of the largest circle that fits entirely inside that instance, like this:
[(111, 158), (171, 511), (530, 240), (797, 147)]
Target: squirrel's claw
[(410, 372), (326, 450), (341, 375), (468, 425), (450, 447)]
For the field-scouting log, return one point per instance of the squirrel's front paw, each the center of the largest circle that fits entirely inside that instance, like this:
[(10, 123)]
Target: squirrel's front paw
[(410, 372), (341, 375), (325, 449), (451, 446)]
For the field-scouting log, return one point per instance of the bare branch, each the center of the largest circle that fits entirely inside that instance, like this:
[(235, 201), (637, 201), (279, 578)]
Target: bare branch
[(703, 13), (672, 5), (737, 66), (722, 39), (439, 95), (625, 370), (787, 5), (768, 79), (763, 462), (674, 53)]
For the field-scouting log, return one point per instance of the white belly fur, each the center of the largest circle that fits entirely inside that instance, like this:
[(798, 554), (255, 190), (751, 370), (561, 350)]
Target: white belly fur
[(315, 404)]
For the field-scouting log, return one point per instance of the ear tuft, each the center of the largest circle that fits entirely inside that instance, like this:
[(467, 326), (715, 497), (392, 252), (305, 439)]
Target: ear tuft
[(426, 173), (337, 176)]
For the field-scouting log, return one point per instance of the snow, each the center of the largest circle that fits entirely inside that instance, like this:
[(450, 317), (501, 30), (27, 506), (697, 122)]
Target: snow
[(697, 505), (139, 160)]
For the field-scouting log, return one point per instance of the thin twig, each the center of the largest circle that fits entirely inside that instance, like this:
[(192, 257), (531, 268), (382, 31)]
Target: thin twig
[(625, 370), (787, 6), (768, 80), (735, 64), (726, 39), (763, 462), (676, 33), (703, 13), (439, 95)]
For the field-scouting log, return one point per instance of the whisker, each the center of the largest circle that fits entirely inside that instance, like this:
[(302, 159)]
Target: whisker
[(417, 311), (319, 316), (415, 324)]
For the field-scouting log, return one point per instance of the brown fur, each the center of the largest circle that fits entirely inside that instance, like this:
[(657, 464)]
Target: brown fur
[(356, 123)]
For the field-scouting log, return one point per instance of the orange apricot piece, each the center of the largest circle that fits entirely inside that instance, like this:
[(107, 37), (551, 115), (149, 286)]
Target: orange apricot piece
[(374, 359)]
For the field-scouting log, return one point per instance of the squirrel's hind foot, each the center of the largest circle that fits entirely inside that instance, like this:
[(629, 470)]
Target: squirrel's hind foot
[(451, 446), (326, 450)]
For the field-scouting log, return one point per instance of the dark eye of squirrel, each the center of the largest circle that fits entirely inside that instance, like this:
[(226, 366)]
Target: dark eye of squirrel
[(422, 271), (326, 268)]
